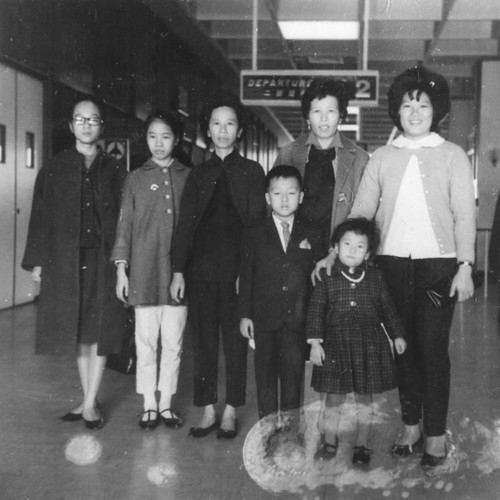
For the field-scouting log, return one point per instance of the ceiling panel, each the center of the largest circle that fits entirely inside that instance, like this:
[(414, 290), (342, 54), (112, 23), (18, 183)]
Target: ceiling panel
[(451, 36)]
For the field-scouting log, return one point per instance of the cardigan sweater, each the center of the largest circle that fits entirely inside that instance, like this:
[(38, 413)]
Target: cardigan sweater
[(448, 186)]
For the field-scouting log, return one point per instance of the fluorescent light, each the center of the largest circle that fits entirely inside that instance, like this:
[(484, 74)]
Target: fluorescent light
[(319, 30)]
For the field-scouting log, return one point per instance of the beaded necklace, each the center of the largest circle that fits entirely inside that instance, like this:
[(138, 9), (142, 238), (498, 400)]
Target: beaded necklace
[(353, 280)]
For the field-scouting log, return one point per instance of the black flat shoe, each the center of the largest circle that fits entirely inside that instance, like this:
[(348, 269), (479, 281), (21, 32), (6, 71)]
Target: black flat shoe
[(199, 432), (327, 451), (151, 422), (429, 460), (228, 434), (173, 421), (71, 417), (361, 456), (405, 450), (94, 424)]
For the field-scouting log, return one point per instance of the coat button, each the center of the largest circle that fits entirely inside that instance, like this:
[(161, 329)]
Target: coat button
[(285, 289), (353, 303), (165, 170), (169, 211), (353, 285)]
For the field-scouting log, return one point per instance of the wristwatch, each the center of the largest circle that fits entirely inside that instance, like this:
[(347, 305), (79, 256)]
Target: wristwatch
[(464, 263)]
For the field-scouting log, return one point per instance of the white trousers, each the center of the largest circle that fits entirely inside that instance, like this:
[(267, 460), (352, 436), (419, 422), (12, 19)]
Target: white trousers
[(150, 323)]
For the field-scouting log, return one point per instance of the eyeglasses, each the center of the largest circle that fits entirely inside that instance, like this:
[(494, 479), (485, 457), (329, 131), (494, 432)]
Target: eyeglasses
[(93, 121)]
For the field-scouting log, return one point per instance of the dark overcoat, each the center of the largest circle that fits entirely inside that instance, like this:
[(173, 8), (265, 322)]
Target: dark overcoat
[(54, 244)]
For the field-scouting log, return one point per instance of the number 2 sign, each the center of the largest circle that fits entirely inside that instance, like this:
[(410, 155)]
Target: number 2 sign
[(285, 88)]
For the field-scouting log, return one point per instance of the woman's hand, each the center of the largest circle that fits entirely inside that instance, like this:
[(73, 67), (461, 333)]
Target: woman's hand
[(36, 274), (121, 282), (400, 345), (326, 263), (462, 283), (177, 287), (317, 355), (246, 328)]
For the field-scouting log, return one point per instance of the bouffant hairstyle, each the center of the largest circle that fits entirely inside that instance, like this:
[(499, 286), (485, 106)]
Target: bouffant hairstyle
[(284, 171), (168, 118), (219, 100), (360, 226), (321, 87), (420, 79)]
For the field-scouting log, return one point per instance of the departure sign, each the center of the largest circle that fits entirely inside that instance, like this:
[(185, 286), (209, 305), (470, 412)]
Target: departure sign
[(285, 88)]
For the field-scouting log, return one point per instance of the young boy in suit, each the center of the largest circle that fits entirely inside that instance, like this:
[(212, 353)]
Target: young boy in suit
[(278, 256)]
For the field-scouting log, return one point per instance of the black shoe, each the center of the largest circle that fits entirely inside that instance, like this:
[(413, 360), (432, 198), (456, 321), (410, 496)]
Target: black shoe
[(327, 451), (405, 450), (173, 421), (361, 456), (71, 417), (429, 460), (228, 434), (151, 422), (94, 424), (199, 432)]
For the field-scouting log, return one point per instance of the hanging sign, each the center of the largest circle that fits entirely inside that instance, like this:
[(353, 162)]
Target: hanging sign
[(285, 88)]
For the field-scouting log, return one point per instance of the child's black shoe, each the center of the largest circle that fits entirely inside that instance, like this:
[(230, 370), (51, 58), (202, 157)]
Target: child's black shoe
[(361, 456)]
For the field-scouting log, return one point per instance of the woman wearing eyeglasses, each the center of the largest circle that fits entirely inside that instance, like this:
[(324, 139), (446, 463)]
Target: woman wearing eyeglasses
[(71, 232)]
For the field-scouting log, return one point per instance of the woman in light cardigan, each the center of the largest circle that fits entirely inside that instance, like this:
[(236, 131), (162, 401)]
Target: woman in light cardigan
[(420, 191)]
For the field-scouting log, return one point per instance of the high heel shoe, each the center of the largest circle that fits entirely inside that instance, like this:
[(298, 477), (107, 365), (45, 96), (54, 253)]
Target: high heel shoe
[(405, 450)]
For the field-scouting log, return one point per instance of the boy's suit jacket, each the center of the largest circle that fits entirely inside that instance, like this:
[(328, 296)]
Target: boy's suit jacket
[(274, 286)]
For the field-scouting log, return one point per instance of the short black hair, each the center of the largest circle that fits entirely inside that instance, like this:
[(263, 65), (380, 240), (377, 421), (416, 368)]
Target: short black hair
[(218, 100), (90, 99), (360, 226), (419, 79), (169, 118), (284, 171), (321, 87)]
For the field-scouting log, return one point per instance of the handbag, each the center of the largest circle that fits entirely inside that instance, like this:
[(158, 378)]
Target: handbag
[(439, 292), (125, 361)]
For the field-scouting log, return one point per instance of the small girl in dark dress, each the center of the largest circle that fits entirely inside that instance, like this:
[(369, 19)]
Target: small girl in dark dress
[(349, 347)]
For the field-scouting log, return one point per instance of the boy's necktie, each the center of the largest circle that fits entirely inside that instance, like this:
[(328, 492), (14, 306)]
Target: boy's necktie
[(286, 233)]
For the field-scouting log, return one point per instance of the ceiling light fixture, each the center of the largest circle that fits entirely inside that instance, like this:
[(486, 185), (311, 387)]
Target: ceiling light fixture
[(319, 30)]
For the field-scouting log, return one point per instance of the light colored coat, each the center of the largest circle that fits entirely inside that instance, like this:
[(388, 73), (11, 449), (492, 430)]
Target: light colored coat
[(350, 164)]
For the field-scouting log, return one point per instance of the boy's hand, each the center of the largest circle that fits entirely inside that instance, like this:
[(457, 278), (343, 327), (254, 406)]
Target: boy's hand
[(326, 263), (121, 283), (400, 345), (246, 328), (177, 287), (317, 355), (36, 274)]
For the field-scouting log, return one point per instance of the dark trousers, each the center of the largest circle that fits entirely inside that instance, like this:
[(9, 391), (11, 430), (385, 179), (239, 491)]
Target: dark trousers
[(280, 356), (212, 309), (424, 369)]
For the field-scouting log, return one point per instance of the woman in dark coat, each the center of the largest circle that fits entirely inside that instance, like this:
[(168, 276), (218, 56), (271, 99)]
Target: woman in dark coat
[(71, 233)]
